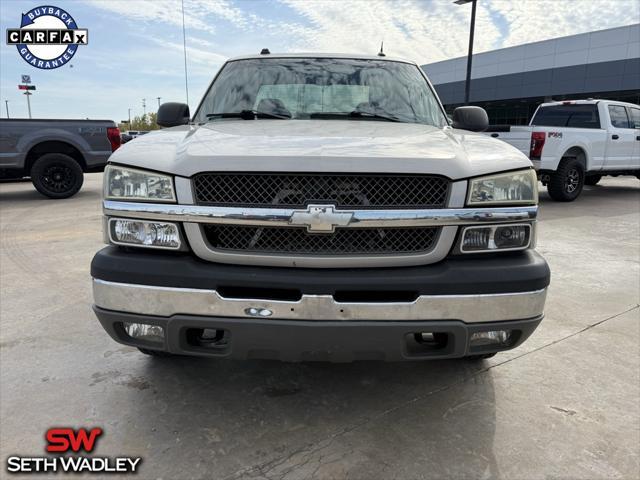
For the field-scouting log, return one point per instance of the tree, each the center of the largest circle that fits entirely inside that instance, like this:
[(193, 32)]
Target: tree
[(143, 122)]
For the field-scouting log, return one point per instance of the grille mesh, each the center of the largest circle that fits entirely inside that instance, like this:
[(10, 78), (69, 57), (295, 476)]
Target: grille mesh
[(291, 240), (343, 191)]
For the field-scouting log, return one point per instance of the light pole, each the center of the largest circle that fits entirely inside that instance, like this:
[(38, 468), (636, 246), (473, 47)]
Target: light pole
[(184, 45), (467, 85), (6, 105), (129, 117), (144, 107), (158, 101)]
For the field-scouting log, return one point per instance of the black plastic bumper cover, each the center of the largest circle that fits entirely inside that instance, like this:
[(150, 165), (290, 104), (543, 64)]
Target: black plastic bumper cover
[(509, 273), (293, 341)]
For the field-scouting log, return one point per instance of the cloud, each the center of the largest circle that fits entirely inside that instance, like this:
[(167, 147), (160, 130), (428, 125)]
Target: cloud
[(437, 30), (170, 12), (425, 31)]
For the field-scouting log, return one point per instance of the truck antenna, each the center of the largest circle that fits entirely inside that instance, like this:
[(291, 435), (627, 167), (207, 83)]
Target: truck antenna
[(381, 52)]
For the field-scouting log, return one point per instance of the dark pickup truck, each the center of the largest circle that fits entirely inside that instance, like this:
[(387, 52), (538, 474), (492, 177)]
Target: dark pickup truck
[(55, 153)]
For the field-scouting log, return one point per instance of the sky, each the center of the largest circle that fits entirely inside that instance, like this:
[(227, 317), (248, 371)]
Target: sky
[(135, 48)]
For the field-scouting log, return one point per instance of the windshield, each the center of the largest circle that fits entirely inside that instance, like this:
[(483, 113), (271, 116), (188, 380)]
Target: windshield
[(327, 88)]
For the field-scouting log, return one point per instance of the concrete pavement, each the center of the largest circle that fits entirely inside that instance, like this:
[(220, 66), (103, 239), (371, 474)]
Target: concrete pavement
[(563, 405)]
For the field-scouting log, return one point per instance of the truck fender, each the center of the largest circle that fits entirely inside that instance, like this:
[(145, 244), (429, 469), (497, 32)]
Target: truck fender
[(579, 152), (31, 139)]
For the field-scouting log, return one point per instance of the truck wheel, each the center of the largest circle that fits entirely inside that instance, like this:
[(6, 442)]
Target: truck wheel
[(155, 353), (565, 184), (592, 179), (56, 175), (475, 358)]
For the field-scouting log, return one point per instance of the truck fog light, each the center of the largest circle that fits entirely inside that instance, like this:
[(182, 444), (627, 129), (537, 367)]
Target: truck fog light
[(496, 237), (492, 337), (143, 233), (143, 331), (476, 239), (511, 236)]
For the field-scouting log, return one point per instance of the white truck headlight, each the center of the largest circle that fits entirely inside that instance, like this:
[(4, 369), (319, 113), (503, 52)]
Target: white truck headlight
[(124, 183), (506, 188)]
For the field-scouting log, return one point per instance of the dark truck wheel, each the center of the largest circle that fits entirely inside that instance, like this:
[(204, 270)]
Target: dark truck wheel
[(565, 184), (592, 179), (155, 353), (56, 175)]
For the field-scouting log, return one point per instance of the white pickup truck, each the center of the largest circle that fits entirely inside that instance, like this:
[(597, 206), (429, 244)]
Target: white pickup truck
[(320, 207), (577, 142)]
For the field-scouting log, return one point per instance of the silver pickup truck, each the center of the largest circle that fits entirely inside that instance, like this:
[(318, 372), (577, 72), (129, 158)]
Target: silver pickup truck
[(320, 208), (55, 153)]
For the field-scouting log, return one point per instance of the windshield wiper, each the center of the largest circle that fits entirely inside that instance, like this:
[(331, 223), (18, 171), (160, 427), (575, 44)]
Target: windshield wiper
[(356, 114), (247, 115)]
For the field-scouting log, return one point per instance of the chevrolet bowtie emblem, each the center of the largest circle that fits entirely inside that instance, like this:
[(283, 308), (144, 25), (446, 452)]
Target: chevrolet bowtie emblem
[(320, 218)]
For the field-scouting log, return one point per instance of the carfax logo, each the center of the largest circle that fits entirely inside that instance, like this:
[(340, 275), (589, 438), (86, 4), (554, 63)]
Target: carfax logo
[(48, 37)]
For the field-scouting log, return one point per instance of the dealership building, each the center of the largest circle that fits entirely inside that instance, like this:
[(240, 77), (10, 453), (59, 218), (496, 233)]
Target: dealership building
[(511, 82)]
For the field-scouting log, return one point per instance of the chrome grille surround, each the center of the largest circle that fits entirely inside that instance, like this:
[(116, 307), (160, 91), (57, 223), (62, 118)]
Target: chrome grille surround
[(194, 217), (297, 190)]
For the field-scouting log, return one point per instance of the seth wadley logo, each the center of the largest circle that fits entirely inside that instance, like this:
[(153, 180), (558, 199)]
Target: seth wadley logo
[(65, 441), (48, 37)]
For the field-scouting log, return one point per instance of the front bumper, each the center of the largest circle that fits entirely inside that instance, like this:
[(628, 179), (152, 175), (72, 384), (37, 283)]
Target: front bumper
[(334, 315)]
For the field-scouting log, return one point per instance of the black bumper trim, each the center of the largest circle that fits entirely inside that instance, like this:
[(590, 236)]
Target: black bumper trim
[(334, 341), (507, 273)]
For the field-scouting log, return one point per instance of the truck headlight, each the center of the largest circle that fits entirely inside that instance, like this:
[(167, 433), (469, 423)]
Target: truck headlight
[(506, 188), (124, 183)]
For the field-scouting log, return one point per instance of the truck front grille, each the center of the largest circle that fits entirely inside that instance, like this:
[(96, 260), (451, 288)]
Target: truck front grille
[(294, 240), (299, 190)]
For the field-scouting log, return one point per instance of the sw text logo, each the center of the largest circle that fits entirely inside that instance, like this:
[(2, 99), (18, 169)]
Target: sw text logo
[(65, 439)]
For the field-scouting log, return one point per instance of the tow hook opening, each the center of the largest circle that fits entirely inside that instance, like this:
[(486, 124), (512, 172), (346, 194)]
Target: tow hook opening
[(425, 343), (208, 338)]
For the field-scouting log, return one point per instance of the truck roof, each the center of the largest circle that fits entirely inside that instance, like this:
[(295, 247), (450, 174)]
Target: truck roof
[(356, 56), (588, 101)]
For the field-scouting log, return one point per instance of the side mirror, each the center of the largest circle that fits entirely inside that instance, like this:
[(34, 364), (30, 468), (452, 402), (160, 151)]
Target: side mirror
[(470, 118), (172, 114)]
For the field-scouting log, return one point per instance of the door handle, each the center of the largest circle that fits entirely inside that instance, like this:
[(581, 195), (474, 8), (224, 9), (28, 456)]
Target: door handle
[(615, 137), (638, 138), (495, 135)]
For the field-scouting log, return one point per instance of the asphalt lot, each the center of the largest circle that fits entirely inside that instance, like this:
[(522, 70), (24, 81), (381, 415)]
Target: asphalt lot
[(563, 405)]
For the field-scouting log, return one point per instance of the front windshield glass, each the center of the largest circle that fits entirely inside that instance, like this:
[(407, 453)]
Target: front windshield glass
[(322, 88)]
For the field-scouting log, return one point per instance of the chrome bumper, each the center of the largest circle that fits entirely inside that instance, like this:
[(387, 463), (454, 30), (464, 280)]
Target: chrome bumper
[(167, 301), (282, 217)]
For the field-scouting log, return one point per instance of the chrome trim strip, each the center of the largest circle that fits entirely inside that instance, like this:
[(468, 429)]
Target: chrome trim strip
[(281, 217), (167, 301), (203, 249)]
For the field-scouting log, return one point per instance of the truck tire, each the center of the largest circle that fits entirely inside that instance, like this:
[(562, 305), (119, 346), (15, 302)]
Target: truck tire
[(155, 353), (565, 184), (592, 179), (56, 175)]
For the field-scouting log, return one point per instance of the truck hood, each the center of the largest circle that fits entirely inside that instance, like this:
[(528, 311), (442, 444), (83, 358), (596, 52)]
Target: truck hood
[(319, 146)]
